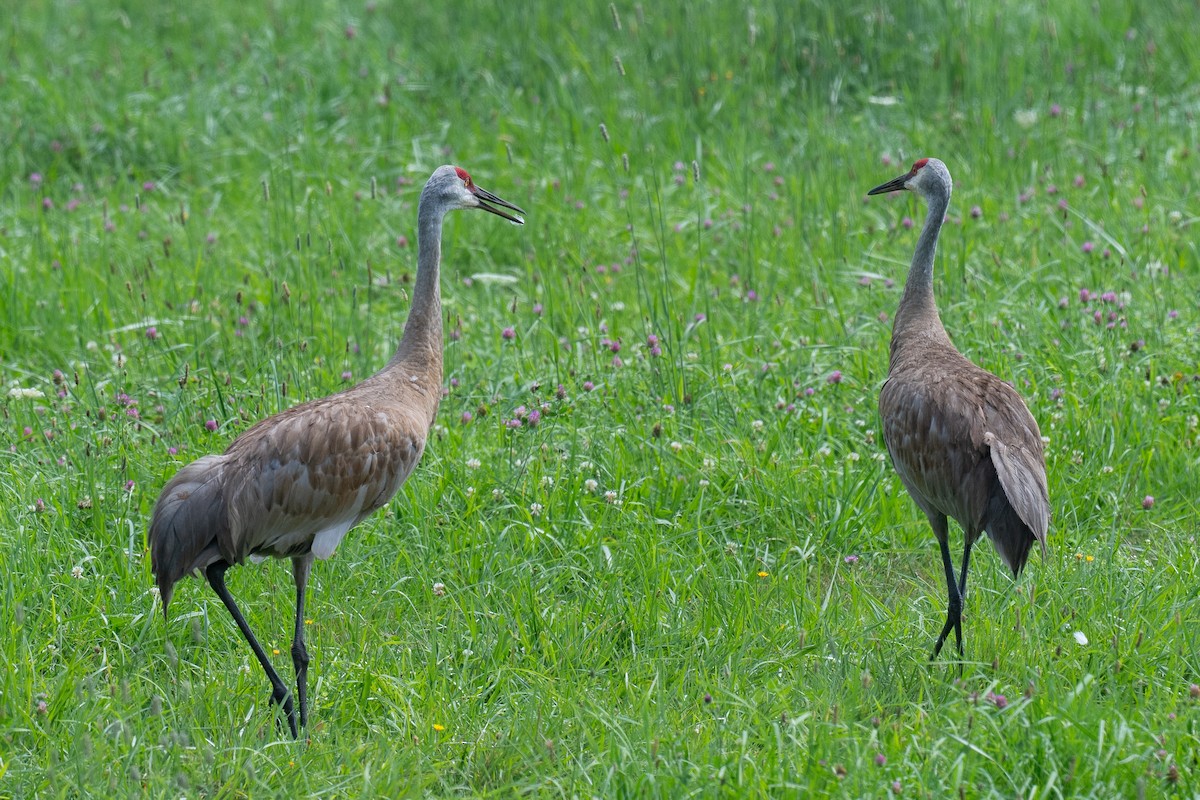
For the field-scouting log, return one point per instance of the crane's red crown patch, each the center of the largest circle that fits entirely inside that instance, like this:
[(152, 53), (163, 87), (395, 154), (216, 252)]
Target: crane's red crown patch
[(462, 173), (916, 166)]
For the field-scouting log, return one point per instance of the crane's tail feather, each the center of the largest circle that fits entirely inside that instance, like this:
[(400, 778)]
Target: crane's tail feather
[(1022, 476), (1010, 535), (188, 522)]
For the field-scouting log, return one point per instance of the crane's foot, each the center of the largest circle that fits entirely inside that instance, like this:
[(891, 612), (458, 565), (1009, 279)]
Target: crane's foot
[(283, 698), (953, 622)]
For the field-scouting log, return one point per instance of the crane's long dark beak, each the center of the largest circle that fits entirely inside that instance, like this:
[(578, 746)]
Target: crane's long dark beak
[(489, 202), (894, 185)]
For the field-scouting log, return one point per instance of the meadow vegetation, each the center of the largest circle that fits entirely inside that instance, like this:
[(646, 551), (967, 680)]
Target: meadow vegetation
[(655, 547)]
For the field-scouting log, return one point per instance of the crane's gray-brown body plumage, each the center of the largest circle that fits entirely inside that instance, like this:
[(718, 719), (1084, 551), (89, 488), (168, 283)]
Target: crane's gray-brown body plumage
[(296, 482), (962, 441), (293, 484)]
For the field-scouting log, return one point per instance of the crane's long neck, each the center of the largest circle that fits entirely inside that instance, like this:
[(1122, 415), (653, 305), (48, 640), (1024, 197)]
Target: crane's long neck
[(420, 348), (917, 311)]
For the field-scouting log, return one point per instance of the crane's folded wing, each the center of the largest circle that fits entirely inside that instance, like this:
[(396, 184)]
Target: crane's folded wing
[(1023, 477), (313, 476)]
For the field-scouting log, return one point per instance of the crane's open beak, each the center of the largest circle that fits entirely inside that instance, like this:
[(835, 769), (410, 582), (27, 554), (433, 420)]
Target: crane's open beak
[(489, 202), (894, 185)]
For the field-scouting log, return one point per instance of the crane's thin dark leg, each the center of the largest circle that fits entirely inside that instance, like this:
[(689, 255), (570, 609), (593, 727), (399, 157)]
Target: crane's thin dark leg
[(954, 607), (962, 574), (301, 567), (962, 587), (279, 693)]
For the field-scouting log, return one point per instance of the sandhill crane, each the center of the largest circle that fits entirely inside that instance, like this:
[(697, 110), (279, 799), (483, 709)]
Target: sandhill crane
[(293, 485), (963, 442)]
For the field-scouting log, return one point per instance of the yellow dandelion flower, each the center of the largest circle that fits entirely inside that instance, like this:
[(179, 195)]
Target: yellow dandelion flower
[(308, 622), (1091, 559), (275, 650), (1079, 556), (763, 573), (439, 728)]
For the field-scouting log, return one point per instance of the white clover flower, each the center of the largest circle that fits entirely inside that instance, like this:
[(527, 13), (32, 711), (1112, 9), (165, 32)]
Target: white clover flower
[(610, 496), (535, 509), (590, 486), (757, 425), (1026, 117), (473, 463), (676, 446)]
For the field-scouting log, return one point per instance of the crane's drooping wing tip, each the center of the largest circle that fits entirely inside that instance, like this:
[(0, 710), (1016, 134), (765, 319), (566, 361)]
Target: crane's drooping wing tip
[(1023, 478), (164, 594)]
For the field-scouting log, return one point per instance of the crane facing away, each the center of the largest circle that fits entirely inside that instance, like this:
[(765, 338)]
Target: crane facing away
[(293, 484), (963, 442)]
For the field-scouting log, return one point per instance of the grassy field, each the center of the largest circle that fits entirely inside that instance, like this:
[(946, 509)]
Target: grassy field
[(697, 573)]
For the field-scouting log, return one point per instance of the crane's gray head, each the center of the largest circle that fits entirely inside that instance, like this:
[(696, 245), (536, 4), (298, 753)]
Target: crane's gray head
[(451, 188), (926, 177)]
